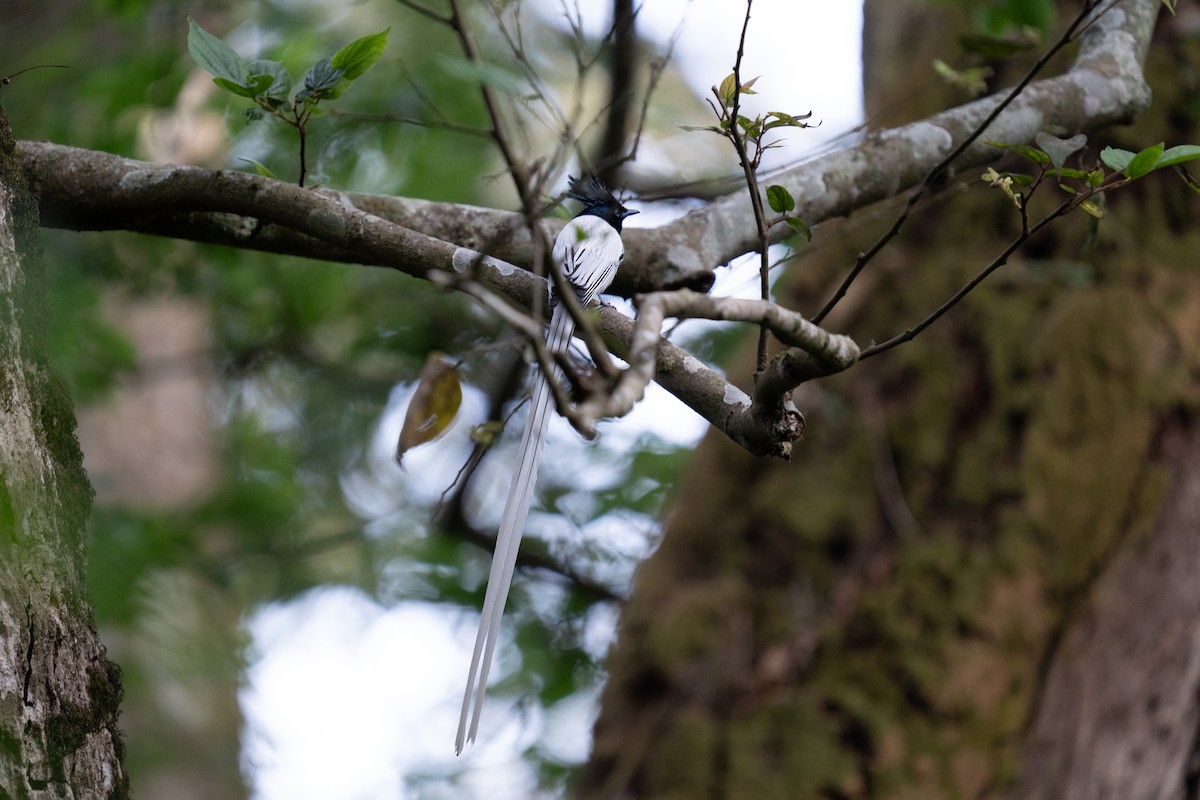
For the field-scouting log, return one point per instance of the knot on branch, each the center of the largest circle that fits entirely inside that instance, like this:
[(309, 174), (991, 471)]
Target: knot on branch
[(784, 424)]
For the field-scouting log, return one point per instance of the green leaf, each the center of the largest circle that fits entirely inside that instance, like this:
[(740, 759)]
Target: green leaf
[(751, 127), (217, 58), (1058, 149), (780, 199), (277, 87), (746, 87), (360, 55), (1178, 155), (800, 227), (1144, 162), (726, 92), (260, 168), (258, 84), (786, 120), (1032, 153), (237, 87), (972, 80), (1067, 172), (1093, 209), (1116, 159), (321, 83)]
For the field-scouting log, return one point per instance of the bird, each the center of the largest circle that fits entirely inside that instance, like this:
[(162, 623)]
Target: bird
[(588, 251)]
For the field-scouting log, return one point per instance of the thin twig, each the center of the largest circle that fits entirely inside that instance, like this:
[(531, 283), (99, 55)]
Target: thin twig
[(749, 167), (658, 68), (516, 167), (420, 9), (996, 263)]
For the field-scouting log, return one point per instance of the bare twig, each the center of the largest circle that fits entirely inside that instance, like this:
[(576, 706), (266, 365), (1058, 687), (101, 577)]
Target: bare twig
[(426, 12), (517, 168), (658, 67), (996, 263)]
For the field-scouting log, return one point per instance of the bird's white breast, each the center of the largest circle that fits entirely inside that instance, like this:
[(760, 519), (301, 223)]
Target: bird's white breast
[(588, 250)]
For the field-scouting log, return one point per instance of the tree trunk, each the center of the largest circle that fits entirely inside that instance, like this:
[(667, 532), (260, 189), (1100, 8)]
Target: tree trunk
[(978, 578), (58, 692)]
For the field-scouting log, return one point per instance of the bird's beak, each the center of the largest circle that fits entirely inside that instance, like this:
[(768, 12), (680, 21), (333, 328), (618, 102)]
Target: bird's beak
[(628, 212)]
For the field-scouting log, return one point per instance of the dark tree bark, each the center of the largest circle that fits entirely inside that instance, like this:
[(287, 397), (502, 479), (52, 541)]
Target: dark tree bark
[(60, 695), (978, 577)]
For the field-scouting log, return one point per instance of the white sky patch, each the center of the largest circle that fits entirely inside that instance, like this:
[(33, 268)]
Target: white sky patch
[(807, 52), (345, 698)]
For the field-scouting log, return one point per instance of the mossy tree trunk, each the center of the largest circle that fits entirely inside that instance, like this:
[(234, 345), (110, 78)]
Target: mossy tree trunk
[(59, 695), (978, 579)]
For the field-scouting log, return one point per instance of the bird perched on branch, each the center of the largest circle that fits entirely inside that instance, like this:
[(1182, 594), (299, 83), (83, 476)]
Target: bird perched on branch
[(588, 251)]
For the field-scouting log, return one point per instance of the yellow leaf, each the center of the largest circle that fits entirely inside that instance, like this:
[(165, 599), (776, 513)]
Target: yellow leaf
[(486, 433), (434, 404)]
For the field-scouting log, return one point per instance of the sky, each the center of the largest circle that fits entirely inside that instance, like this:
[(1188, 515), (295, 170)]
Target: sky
[(343, 697)]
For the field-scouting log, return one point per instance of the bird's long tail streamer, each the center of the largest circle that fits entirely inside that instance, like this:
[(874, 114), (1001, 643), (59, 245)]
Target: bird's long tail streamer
[(512, 525)]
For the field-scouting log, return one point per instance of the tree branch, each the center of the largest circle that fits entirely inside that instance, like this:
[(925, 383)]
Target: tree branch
[(813, 353), (138, 193), (1104, 86), (82, 189), (934, 175)]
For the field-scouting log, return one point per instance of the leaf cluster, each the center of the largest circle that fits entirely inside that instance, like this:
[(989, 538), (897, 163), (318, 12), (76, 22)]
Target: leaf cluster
[(269, 84), (753, 131), (1117, 168), (750, 138)]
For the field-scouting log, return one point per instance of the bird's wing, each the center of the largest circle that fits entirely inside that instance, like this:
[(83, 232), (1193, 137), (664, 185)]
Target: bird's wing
[(588, 251)]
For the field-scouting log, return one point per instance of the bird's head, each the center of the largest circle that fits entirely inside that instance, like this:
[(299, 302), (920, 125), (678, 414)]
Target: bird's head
[(598, 201)]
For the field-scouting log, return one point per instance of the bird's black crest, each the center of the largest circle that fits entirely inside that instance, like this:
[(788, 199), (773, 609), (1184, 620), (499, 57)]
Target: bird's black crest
[(598, 201), (591, 193)]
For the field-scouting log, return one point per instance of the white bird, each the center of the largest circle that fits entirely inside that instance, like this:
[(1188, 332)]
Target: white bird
[(588, 250)]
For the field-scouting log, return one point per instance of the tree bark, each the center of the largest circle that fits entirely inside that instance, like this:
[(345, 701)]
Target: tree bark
[(1119, 714), (978, 578), (58, 692)]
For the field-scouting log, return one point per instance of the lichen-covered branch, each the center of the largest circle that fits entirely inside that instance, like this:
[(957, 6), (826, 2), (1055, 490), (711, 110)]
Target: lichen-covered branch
[(1104, 86), (813, 352)]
